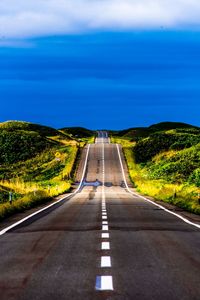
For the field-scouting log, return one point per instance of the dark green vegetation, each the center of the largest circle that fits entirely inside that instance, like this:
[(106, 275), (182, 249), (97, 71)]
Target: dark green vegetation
[(137, 133), (42, 130), (36, 163), (78, 132), (165, 156), (20, 145)]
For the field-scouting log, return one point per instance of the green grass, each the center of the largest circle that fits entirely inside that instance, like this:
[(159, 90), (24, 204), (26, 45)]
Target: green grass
[(78, 132), (146, 148), (37, 163), (13, 126), (138, 133), (37, 180), (166, 174)]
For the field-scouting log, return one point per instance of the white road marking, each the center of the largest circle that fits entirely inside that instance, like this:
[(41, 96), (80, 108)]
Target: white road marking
[(3, 231), (144, 198), (105, 246), (105, 222), (104, 227), (105, 262), (105, 235), (104, 283)]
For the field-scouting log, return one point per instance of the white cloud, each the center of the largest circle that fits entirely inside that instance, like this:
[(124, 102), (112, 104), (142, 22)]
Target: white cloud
[(27, 18)]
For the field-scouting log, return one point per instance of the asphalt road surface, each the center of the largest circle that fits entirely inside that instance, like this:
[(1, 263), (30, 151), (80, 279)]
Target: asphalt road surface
[(101, 243)]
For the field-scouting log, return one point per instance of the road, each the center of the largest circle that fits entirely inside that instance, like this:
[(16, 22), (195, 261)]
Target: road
[(101, 243)]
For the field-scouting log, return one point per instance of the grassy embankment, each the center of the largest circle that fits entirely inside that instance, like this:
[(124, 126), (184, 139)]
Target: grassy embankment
[(163, 162), (37, 163)]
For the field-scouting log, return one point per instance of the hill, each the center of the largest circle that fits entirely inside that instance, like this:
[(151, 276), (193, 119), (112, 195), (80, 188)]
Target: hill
[(36, 163), (136, 133), (163, 126), (23, 140), (78, 132), (27, 126), (164, 161)]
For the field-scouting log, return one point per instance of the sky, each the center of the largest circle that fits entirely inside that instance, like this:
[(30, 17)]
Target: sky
[(100, 64)]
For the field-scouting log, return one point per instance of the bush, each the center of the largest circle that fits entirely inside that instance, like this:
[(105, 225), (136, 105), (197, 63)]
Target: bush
[(20, 145), (176, 168), (195, 177), (147, 148), (185, 141)]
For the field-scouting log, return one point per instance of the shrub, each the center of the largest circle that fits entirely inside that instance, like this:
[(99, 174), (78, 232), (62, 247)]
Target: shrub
[(195, 177), (20, 145), (147, 148)]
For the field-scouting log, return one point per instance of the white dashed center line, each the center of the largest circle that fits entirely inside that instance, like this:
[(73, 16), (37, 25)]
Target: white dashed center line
[(104, 282), (105, 222), (105, 246), (105, 235), (104, 227), (105, 262)]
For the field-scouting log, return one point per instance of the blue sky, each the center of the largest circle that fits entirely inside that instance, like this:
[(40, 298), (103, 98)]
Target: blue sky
[(117, 71)]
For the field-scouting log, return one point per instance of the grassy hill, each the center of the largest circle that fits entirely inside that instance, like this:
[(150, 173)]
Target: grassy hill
[(79, 133), (136, 133), (164, 161), (36, 163), (27, 126)]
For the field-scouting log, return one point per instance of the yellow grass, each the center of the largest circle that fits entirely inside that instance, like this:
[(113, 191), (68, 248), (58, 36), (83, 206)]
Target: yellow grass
[(19, 186)]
